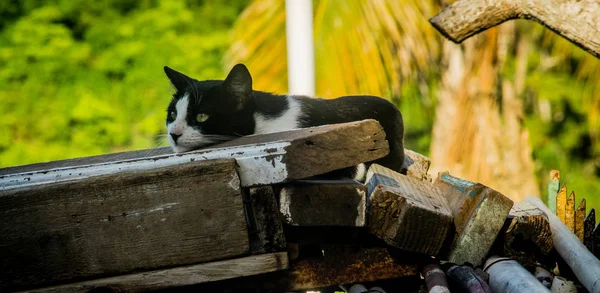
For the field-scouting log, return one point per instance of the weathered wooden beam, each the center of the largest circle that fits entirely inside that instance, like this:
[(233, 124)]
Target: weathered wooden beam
[(417, 165), (348, 266), (528, 235), (405, 212), (574, 20), (262, 159), (561, 203), (479, 214), (588, 229), (553, 188), (579, 219), (323, 203), (264, 225), (180, 276), (570, 212), (507, 275), (583, 263), (119, 223)]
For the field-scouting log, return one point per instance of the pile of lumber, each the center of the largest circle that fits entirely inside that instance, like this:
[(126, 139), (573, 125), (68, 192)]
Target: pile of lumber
[(254, 215)]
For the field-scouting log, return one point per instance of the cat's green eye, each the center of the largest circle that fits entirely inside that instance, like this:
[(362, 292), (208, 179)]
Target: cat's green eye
[(201, 117), (173, 115)]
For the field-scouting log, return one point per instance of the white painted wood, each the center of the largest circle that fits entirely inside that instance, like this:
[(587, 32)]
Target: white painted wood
[(258, 164), (300, 47), (583, 263)]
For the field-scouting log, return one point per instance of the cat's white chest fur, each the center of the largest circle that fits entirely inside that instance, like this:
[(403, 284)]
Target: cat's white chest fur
[(290, 119)]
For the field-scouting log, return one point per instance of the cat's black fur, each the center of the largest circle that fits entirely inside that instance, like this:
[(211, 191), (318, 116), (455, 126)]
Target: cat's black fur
[(233, 107)]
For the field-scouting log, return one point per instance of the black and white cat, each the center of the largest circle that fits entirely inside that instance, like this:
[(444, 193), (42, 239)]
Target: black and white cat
[(202, 113)]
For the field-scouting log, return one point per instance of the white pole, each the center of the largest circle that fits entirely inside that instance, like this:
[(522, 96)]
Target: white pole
[(300, 47)]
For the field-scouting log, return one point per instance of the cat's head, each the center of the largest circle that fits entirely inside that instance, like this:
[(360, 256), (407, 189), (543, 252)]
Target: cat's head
[(206, 112)]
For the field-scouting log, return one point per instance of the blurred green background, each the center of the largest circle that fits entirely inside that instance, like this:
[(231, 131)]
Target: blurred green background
[(82, 77)]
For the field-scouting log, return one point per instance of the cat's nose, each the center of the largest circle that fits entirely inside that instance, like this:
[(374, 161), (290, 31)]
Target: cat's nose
[(175, 136)]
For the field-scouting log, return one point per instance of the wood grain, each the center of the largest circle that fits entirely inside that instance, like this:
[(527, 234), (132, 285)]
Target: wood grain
[(579, 219), (265, 227), (527, 238), (572, 19), (561, 203), (570, 212), (405, 212), (323, 203), (119, 223), (262, 159), (180, 276), (479, 214)]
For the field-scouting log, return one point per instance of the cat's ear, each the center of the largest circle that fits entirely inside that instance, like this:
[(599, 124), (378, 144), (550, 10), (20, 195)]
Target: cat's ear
[(239, 83), (179, 80)]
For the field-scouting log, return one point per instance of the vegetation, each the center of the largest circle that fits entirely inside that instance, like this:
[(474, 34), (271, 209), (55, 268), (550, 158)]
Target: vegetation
[(81, 77)]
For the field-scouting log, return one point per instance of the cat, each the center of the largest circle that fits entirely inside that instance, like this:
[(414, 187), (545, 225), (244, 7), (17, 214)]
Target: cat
[(202, 113)]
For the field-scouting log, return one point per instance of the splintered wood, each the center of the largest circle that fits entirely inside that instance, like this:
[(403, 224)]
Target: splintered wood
[(528, 236), (405, 212), (479, 214)]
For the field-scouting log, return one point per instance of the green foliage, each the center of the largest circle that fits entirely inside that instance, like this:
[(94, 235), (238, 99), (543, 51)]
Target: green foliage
[(82, 77)]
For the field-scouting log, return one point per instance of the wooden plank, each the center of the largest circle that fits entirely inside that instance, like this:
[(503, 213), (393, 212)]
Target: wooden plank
[(323, 203), (507, 275), (579, 219), (405, 212), (265, 227), (528, 234), (588, 228), (583, 263), (120, 223), (553, 188), (349, 266), (561, 203), (479, 214), (262, 159), (417, 165), (180, 276), (570, 212)]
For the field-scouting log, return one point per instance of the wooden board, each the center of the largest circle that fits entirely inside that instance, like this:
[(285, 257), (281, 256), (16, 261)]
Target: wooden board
[(579, 219), (405, 212), (120, 223), (588, 229), (262, 159), (553, 188), (528, 237), (265, 227), (561, 203), (570, 212), (323, 203), (479, 214), (180, 276)]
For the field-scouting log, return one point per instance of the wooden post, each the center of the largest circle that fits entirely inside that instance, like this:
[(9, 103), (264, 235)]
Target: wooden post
[(574, 20), (561, 203), (579, 219), (553, 187), (120, 223), (528, 235), (435, 279), (465, 278), (479, 214), (588, 228), (405, 212), (570, 212), (323, 203), (507, 275), (583, 263)]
